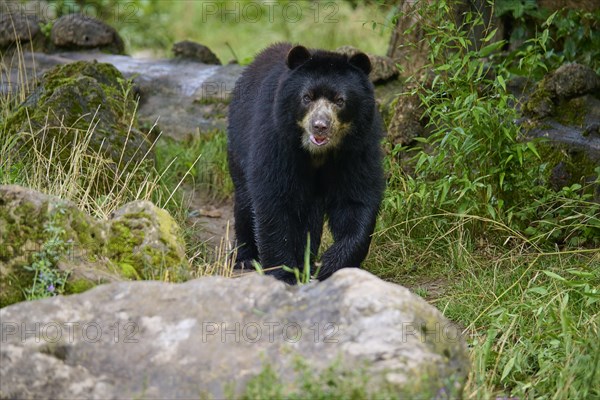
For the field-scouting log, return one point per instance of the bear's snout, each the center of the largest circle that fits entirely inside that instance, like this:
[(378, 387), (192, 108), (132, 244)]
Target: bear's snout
[(321, 125), (321, 117), (322, 128)]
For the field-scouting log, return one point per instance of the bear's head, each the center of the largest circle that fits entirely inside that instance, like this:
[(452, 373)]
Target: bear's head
[(330, 95)]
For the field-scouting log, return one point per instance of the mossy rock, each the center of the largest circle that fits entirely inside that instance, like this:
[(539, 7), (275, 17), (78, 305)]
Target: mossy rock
[(558, 87), (76, 286), (570, 165), (83, 107), (190, 50), (564, 110), (148, 239), (25, 217), (140, 241)]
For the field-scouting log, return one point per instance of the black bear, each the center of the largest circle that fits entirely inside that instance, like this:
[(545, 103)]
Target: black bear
[(304, 142)]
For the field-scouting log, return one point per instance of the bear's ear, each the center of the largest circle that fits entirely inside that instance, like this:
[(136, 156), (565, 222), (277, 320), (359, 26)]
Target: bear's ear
[(297, 56), (361, 60)]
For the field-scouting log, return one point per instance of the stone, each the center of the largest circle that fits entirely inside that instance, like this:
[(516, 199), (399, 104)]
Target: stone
[(216, 337), (407, 121), (18, 27), (26, 220), (564, 110), (78, 31), (572, 80), (195, 51), (148, 238)]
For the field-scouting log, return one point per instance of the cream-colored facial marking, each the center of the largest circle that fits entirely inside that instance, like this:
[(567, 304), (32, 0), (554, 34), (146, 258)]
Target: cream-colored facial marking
[(319, 143)]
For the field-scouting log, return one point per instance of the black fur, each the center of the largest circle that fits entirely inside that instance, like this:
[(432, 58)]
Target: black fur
[(282, 191)]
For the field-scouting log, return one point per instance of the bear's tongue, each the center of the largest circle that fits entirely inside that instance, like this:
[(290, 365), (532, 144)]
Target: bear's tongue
[(319, 140)]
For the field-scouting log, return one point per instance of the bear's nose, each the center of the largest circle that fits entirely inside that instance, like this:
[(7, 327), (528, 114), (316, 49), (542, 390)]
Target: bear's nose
[(320, 126)]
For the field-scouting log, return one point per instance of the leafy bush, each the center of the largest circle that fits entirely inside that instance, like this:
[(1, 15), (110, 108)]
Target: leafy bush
[(476, 161)]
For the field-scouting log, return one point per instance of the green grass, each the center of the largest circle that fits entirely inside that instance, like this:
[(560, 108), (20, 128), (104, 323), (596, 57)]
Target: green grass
[(334, 382), (541, 315), (531, 316), (200, 162), (76, 177)]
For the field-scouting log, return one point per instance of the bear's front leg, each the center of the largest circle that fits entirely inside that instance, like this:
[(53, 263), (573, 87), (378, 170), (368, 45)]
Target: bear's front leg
[(352, 226), (276, 227)]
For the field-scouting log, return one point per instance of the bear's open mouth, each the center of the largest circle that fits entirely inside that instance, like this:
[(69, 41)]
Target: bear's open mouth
[(319, 140)]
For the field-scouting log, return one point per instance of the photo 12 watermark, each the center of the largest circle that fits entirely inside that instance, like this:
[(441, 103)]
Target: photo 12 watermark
[(214, 332), (288, 12), (69, 332), (270, 331), (126, 12)]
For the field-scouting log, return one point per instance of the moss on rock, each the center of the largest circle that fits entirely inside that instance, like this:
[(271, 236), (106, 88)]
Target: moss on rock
[(25, 217), (148, 239), (78, 286), (540, 103), (563, 109)]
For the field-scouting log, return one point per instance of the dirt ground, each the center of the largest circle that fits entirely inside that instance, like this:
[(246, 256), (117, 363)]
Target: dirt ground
[(211, 222)]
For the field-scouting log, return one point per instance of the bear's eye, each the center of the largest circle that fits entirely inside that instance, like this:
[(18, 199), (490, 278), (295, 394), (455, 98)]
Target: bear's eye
[(340, 102), (306, 99)]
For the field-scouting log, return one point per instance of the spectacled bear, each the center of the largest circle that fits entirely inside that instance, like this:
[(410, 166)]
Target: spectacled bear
[(304, 143)]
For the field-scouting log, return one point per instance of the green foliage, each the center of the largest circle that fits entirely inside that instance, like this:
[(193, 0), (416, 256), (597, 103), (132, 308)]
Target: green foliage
[(225, 25), (470, 221), (475, 161), (48, 280), (304, 276), (577, 37), (570, 217), (334, 382), (540, 321), (516, 8), (567, 35)]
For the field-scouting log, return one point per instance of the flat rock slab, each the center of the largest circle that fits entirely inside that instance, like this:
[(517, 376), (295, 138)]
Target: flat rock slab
[(208, 337), (184, 97)]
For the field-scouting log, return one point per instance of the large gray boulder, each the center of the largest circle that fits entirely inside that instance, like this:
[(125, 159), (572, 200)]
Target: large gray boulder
[(213, 336)]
